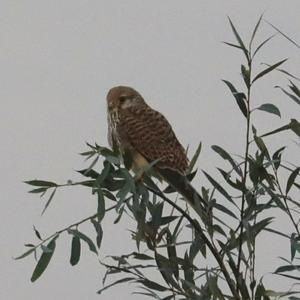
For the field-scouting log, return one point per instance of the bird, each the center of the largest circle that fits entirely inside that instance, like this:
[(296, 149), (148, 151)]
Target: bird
[(136, 129)]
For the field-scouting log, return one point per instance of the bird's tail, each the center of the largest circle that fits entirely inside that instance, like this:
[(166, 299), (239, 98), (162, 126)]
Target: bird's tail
[(182, 185)]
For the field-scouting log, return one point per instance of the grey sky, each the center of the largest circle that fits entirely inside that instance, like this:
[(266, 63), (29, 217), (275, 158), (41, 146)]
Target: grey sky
[(58, 60)]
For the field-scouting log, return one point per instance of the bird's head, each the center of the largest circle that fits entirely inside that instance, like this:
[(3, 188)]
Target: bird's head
[(122, 97)]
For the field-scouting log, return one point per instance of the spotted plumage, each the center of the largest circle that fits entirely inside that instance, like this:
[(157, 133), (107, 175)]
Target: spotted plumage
[(135, 128)]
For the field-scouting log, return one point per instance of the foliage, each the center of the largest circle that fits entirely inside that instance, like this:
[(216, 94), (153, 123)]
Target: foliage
[(199, 255)]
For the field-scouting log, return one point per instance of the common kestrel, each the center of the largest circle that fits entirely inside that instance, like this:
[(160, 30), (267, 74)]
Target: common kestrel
[(135, 128)]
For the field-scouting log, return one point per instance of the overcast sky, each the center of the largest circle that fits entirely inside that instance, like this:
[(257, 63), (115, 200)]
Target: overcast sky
[(58, 60)]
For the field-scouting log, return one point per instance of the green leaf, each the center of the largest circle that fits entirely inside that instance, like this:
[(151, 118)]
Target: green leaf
[(75, 250), (166, 269), (287, 268), (246, 76), (142, 256), (41, 183), (240, 41), (284, 35), (259, 226), (194, 158), (126, 279), (233, 45), (152, 285), (44, 261), (262, 146), (99, 232), (291, 179), (49, 201), (255, 30), (277, 157), (28, 252), (225, 155), (172, 253), (101, 205), (224, 210), (270, 108), (218, 187), (197, 245), (268, 70), (239, 97), (89, 173), (39, 190), (293, 97), (294, 88), (282, 128), (262, 44), (85, 238), (37, 233), (92, 165), (295, 126)]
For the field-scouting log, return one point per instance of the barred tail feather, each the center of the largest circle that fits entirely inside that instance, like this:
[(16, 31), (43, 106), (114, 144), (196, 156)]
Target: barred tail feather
[(181, 184)]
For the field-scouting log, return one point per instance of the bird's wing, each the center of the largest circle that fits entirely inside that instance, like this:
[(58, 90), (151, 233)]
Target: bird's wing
[(151, 135)]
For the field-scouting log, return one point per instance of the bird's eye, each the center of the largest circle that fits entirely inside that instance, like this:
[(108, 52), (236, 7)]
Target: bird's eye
[(122, 99)]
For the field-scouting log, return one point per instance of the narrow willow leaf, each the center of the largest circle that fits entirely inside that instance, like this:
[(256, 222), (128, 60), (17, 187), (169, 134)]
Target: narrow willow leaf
[(294, 245), (277, 157), (172, 254), (213, 286), (105, 172), (101, 205), (294, 88), (166, 269), (218, 187), (283, 34), (225, 155), (240, 41), (37, 233), (142, 256), (99, 232), (277, 232), (282, 128), (236, 185), (233, 45), (89, 173), (262, 146), (291, 179), (270, 108), (126, 279), (39, 190), (41, 183), (239, 278), (259, 226), (28, 252), (49, 201), (194, 158), (246, 76), (75, 250), (255, 30), (295, 126), (43, 261), (268, 70), (287, 268), (85, 238), (293, 97), (152, 285), (262, 44), (92, 165), (225, 210), (239, 97)]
